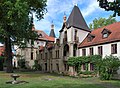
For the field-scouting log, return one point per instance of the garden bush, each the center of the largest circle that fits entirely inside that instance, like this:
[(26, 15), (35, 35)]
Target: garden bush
[(1, 63), (21, 63), (37, 66), (86, 72), (105, 67), (109, 66)]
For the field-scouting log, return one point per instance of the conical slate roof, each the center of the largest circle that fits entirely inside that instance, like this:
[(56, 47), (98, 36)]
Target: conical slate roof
[(52, 33), (76, 20)]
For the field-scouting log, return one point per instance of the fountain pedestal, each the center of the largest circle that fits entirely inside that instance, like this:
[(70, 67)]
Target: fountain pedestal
[(15, 76)]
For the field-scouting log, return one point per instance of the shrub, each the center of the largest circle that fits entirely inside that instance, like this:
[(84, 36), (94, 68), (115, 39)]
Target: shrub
[(78, 61), (21, 63), (109, 66), (1, 63), (86, 72), (37, 66)]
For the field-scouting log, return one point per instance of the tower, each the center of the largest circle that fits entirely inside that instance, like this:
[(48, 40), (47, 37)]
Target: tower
[(73, 32), (52, 33)]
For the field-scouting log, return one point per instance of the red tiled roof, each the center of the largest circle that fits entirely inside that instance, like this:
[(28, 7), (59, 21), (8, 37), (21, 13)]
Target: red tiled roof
[(45, 37), (49, 45), (114, 35), (41, 48)]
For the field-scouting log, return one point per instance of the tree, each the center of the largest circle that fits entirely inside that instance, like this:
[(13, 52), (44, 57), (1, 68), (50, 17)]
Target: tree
[(109, 66), (16, 21), (110, 5), (100, 22)]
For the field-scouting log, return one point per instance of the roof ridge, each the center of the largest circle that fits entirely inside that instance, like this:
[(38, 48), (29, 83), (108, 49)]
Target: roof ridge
[(105, 26)]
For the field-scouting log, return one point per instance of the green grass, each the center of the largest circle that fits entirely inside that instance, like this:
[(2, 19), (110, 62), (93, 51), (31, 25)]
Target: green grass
[(39, 80)]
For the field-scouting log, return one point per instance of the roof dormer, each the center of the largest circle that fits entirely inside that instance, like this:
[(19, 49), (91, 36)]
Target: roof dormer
[(90, 37), (105, 33)]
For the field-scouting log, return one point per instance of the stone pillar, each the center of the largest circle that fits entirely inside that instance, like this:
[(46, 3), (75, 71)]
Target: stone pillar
[(71, 70)]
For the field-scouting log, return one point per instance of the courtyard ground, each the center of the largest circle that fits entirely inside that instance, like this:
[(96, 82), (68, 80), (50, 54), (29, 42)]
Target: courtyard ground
[(46, 80)]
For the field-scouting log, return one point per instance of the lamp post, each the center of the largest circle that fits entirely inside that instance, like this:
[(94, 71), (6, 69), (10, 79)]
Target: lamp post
[(111, 5)]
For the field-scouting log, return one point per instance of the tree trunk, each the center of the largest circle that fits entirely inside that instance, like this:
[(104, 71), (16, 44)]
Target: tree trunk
[(8, 55)]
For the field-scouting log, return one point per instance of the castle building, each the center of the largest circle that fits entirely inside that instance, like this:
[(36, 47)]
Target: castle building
[(76, 39), (74, 30), (31, 52)]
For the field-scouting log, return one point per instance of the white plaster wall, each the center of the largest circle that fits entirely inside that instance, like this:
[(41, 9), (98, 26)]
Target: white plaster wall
[(106, 50), (69, 34), (71, 50), (95, 50), (81, 34), (26, 54), (61, 37), (80, 52)]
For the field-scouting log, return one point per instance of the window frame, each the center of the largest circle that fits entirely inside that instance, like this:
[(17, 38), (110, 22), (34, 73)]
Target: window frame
[(83, 52), (100, 50), (91, 51), (113, 48)]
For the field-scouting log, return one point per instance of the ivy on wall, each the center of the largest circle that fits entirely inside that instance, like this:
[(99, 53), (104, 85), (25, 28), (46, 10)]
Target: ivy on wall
[(75, 61), (106, 67)]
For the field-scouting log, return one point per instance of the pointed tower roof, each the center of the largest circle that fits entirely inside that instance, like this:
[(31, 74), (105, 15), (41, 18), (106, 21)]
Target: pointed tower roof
[(52, 33), (76, 20)]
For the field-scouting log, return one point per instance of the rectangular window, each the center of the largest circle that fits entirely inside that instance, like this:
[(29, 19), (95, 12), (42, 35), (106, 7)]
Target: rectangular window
[(84, 67), (51, 67), (56, 53), (100, 51), (114, 49), (31, 55), (75, 36), (50, 54), (46, 56), (45, 66), (65, 36), (91, 66), (41, 55), (91, 51), (83, 52), (57, 66)]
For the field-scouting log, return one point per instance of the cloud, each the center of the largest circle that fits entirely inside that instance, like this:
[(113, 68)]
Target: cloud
[(56, 10), (1, 44), (92, 6)]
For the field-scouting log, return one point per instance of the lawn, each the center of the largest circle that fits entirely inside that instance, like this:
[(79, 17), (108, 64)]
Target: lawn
[(45, 80)]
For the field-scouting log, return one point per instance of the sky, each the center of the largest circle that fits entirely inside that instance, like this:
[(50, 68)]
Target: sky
[(57, 8)]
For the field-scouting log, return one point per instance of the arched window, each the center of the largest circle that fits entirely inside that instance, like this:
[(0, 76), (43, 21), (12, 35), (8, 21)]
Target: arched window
[(66, 50)]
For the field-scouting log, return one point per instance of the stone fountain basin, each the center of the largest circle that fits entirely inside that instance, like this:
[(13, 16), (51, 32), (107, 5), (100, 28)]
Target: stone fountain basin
[(15, 76)]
